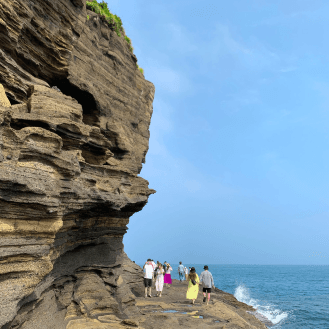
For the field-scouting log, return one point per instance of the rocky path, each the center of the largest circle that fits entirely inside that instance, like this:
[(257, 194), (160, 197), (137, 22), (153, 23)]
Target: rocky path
[(173, 310)]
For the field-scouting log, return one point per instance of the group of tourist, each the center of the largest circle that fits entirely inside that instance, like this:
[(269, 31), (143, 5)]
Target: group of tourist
[(161, 275)]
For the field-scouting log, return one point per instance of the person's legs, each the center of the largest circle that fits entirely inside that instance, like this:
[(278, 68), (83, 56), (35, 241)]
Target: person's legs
[(145, 285), (208, 298), (157, 288), (204, 294), (150, 287)]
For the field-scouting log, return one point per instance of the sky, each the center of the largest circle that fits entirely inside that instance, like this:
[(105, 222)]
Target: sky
[(239, 146)]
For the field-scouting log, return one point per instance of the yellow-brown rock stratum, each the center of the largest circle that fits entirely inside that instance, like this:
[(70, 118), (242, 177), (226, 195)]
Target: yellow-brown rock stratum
[(74, 131)]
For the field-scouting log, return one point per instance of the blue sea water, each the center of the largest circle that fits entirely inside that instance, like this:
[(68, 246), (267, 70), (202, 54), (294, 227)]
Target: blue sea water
[(292, 297)]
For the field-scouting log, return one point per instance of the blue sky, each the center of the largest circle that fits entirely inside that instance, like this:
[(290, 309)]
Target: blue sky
[(239, 134)]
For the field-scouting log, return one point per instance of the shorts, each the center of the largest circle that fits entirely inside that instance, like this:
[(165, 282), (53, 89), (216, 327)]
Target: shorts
[(208, 290), (147, 283)]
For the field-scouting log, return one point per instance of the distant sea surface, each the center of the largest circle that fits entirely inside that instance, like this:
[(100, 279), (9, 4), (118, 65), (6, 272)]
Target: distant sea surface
[(291, 297)]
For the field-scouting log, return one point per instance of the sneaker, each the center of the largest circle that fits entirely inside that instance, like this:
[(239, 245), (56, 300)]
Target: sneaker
[(150, 296)]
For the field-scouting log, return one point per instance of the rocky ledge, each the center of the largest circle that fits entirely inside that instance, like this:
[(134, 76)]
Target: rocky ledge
[(172, 310)]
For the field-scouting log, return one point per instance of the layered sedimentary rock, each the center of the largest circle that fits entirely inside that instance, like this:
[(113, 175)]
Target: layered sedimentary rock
[(74, 119), (73, 137)]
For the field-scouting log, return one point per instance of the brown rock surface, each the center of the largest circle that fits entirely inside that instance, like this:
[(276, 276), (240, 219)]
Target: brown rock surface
[(73, 137), (173, 310), (69, 160), (4, 101)]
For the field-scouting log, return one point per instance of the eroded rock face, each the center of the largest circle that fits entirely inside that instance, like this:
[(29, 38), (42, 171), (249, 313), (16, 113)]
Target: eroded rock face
[(73, 137)]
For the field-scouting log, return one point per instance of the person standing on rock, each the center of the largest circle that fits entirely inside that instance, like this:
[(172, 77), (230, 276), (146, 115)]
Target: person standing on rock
[(181, 271), (159, 279), (193, 285), (167, 277), (154, 265), (207, 282), (148, 276), (186, 273)]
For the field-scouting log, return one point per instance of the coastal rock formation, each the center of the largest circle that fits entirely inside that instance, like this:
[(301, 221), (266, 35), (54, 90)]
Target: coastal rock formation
[(74, 131), (73, 137)]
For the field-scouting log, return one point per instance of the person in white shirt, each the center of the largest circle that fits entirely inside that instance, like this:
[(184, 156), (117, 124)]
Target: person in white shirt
[(186, 272), (148, 276)]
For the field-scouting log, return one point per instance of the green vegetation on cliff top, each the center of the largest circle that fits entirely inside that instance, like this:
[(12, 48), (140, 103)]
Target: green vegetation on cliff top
[(114, 21), (103, 10)]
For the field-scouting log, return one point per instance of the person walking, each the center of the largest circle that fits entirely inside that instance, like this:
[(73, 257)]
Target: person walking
[(181, 271), (148, 276), (167, 277), (159, 279), (193, 285), (207, 283)]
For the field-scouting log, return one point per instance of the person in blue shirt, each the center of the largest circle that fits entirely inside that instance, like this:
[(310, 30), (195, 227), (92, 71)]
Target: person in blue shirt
[(181, 271)]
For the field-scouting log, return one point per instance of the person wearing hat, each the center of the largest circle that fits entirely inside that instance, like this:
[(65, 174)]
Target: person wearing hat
[(193, 285), (207, 282)]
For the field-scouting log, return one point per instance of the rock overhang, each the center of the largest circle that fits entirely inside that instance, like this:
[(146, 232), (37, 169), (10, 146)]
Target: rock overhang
[(73, 137)]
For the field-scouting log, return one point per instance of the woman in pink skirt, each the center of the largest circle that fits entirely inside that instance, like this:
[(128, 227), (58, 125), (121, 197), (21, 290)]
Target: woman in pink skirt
[(167, 278)]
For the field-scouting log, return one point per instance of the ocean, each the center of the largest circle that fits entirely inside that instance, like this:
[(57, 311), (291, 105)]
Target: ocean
[(291, 297)]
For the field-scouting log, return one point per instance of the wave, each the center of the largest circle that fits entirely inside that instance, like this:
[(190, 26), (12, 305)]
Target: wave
[(266, 309)]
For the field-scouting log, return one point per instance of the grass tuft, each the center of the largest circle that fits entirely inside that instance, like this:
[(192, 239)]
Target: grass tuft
[(140, 69), (102, 9), (114, 21)]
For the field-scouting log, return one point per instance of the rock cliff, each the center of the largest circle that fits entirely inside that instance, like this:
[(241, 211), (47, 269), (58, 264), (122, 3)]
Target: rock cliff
[(74, 119), (75, 112)]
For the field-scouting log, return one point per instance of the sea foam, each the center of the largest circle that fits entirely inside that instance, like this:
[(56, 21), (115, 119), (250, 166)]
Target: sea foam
[(268, 310)]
